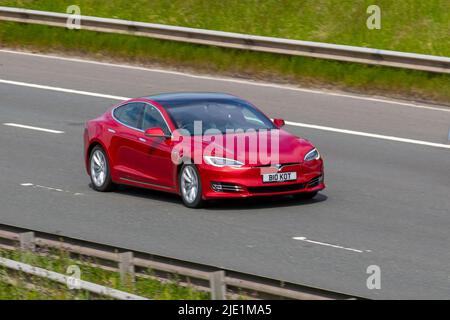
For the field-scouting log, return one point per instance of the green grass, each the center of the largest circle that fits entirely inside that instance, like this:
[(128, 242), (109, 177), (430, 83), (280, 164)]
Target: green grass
[(407, 25), (415, 26), (15, 285)]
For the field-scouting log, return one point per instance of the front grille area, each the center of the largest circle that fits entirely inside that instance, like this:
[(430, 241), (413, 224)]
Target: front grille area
[(285, 188), (282, 188), (228, 187)]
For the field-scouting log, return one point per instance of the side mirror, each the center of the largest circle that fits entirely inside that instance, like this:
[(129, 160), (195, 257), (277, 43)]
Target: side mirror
[(155, 133), (278, 123)]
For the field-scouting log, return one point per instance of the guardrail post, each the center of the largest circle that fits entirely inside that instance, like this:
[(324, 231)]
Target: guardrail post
[(26, 240), (126, 267), (217, 285)]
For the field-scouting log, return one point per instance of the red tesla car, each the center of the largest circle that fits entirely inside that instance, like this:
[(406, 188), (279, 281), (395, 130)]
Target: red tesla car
[(201, 146)]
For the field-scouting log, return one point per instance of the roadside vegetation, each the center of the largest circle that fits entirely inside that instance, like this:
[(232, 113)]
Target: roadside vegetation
[(412, 26), (18, 285)]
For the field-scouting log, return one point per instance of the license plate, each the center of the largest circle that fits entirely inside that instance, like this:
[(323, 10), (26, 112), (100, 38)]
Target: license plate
[(280, 177)]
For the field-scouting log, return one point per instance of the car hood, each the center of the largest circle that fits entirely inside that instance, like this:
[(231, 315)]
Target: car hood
[(291, 149)]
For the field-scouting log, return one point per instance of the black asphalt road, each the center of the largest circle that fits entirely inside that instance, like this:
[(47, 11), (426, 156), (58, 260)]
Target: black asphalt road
[(387, 200)]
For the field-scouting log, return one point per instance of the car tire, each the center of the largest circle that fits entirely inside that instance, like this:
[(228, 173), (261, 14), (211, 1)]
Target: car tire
[(190, 186), (305, 195), (100, 170)]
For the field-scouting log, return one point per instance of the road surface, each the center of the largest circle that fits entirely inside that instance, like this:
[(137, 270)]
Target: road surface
[(387, 170)]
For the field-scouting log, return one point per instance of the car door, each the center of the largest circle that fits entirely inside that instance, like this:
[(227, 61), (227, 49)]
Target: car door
[(125, 141), (154, 159)]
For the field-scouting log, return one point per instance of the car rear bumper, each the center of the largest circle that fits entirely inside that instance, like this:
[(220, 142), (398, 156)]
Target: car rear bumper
[(247, 182)]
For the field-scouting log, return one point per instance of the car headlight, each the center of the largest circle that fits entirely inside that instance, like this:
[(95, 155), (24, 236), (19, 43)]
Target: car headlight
[(312, 155), (222, 162)]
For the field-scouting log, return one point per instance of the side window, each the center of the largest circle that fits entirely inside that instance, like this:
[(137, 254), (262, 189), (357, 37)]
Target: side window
[(153, 118), (129, 114)]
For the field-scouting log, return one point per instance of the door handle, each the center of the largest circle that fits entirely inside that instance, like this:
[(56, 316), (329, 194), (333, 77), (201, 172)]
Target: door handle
[(142, 140), (111, 130)]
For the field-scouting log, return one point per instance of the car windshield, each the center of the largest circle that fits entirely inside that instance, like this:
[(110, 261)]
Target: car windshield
[(220, 115)]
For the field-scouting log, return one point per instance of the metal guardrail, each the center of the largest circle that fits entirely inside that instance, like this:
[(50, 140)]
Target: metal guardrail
[(63, 279), (236, 40), (219, 282)]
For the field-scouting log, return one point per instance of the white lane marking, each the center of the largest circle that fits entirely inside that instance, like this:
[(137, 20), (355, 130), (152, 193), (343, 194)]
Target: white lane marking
[(369, 135), (50, 188), (84, 93), (31, 128), (297, 124), (304, 239), (239, 81)]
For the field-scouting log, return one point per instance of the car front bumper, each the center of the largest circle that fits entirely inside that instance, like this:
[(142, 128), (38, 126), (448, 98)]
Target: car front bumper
[(227, 182)]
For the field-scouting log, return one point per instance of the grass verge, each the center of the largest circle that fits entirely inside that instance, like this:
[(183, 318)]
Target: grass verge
[(412, 26), (301, 71), (19, 286), (407, 25)]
